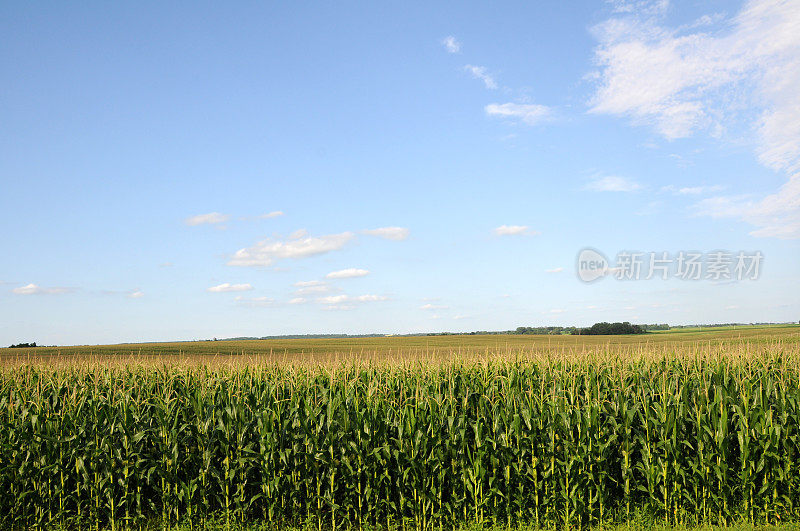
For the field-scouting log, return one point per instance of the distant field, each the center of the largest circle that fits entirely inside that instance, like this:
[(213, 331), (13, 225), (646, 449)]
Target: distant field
[(396, 348), (711, 329)]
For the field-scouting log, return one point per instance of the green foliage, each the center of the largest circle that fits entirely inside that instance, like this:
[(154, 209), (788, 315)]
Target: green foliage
[(551, 444), (607, 329), (545, 330)]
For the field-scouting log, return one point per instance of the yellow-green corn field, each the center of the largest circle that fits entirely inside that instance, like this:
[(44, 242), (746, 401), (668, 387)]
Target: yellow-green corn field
[(559, 442)]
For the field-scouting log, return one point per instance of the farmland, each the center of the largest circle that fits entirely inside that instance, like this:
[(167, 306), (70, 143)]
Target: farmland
[(394, 349), (679, 428)]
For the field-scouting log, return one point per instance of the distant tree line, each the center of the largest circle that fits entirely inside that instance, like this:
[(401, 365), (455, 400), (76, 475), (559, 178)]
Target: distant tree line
[(647, 327), (545, 330), (23, 345), (610, 329)]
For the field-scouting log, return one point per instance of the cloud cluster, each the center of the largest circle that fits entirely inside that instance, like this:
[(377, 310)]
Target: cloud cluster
[(777, 215), (337, 299), (33, 289), (681, 80), (648, 7), (266, 252), (514, 230), (479, 72), (527, 113), (451, 44), (301, 245), (347, 273), (212, 218), (308, 283)]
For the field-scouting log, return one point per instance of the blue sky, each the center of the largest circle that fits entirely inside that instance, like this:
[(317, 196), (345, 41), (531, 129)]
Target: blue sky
[(190, 171)]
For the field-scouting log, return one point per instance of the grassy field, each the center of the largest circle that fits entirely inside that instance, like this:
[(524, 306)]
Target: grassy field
[(667, 430), (389, 349)]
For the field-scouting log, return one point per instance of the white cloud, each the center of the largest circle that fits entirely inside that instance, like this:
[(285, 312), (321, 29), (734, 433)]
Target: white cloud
[(389, 233), (33, 289), (298, 300), (777, 215), (612, 183), (433, 307), (339, 299), (131, 294), (309, 283), (333, 299), (739, 79), (650, 7), (226, 288), (206, 219), (691, 190), (451, 44), (299, 233), (348, 273), (514, 230), (266, 252), (554, 270), (479, 72), (557, 310), (529, 113), (267, 215)]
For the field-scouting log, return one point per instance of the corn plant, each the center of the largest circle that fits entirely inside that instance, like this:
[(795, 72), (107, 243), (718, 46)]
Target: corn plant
[(561, 443)]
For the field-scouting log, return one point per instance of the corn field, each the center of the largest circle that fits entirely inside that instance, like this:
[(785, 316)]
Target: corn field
[(551, 443)]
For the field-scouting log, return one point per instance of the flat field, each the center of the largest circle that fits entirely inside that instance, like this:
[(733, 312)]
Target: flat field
[(443, 348)]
